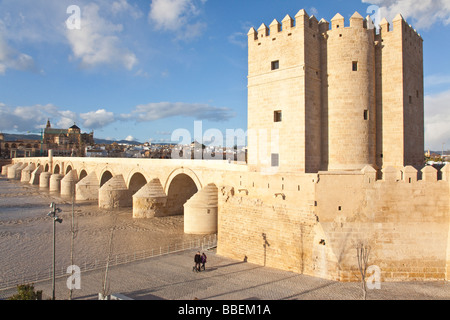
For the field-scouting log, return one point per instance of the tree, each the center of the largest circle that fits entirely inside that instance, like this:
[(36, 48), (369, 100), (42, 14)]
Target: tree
[(362, 252), (26, 292), (73, 232), (105, 282)]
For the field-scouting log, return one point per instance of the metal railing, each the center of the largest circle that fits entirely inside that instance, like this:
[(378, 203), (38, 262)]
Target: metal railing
[(206, 243)]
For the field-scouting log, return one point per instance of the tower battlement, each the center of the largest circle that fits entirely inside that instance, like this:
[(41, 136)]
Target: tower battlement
[(302, 20), (399, 24), (287, 26)]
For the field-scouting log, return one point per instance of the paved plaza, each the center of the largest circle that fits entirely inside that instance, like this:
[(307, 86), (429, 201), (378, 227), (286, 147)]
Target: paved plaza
[(170, 277)]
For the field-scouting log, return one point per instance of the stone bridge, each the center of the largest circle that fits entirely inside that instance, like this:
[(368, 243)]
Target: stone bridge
[(152, 187), (310, 223)]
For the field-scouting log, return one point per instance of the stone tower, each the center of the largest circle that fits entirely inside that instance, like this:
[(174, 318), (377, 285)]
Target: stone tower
[(284, 96), (400, 95), (338, 98), (350, 76)]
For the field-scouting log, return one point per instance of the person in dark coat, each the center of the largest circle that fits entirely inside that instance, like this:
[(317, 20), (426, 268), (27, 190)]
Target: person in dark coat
[(197, 260), (203, 260)]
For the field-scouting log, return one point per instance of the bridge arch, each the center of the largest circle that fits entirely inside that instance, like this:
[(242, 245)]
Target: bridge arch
[(56, 169), (46, 167), (83, 174), (105, 176), (136, 182), (181, 185), (185, 171), (68, 169)]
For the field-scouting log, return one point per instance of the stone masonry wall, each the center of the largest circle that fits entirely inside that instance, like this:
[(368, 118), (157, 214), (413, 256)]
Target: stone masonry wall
[(405, 221), (265, 233), (270, 221), (406, 224)]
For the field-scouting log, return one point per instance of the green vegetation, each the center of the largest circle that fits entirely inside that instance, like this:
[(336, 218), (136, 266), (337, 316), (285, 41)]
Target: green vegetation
[(26, 292)]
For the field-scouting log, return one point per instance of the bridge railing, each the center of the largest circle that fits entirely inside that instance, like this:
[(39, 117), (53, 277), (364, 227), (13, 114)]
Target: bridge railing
[(206, 243)]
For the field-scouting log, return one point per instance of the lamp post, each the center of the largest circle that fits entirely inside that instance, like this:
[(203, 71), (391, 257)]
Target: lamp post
[(55, 218)]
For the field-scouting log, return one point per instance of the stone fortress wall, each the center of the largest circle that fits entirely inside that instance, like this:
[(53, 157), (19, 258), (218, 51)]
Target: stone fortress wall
[(316, 228), (307, 209)]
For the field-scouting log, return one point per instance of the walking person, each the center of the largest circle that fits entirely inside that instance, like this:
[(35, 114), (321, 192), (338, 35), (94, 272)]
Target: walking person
[(197, 260), (203, 260)]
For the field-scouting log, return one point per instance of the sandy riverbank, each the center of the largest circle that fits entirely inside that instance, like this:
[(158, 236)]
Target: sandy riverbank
[(26, 231)]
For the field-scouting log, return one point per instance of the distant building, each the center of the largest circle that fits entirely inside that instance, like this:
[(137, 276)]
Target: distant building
[(67, 142), (19, 148), (96, 151)]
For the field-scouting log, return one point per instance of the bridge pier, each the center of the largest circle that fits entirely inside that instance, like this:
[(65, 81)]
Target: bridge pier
[(14, 171), (200, 211), (5, 169), (35, 176), (26, 173), (150, 201), (87, 188), (44, 180), (20, 171), (114, 194), (55, 182), (68, 183)]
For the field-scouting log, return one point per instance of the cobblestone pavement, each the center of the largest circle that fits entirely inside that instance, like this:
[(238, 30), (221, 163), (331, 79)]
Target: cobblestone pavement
[(171, 277)]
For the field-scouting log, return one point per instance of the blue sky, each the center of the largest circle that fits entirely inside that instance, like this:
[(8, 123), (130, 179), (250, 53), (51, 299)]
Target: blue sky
[(142, 68)]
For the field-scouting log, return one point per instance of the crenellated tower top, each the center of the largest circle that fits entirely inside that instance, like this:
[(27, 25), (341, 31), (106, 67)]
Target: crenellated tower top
[(302, 19)]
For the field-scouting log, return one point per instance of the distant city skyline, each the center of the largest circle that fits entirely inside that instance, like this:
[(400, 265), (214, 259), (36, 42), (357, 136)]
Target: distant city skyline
[(139, 70)]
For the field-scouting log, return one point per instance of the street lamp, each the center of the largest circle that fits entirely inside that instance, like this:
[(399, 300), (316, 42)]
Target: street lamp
[(53, 215)]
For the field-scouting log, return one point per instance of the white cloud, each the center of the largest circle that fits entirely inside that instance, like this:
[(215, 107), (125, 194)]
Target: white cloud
[(41, 21), (424, 13), (13, 59), (177, 16), (169, 14), (239, 38), (130, 138), (97, 119), (97, 42), (142, 73), (122, 6), (436, 80), (161, 110), (437, 120), (33, 118), (66, 119), (313, 11), (192, 31)]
